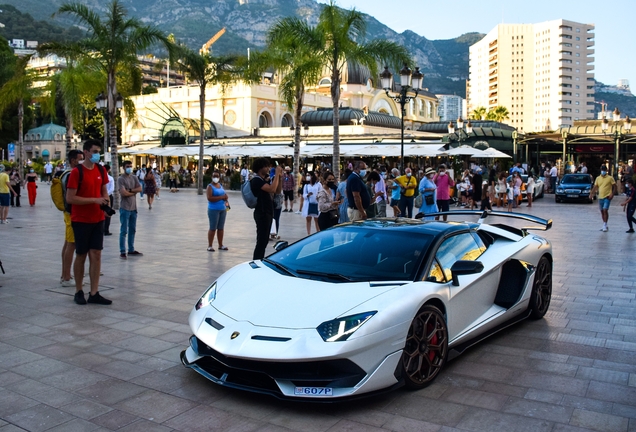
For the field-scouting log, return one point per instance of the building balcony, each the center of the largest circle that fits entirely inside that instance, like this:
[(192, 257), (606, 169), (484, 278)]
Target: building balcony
[(492, 58), (589, 52), (492, 44)]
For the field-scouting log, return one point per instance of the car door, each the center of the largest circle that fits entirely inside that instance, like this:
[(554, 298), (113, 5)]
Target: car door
[(473, 298)]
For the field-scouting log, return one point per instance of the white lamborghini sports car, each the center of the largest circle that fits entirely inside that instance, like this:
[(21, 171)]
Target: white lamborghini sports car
[(368, 306)]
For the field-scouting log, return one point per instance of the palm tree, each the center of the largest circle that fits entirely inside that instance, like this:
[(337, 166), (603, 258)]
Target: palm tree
[(479, 113), (20, 88), (74, 86), (298, 68), (338, 38), (206, 69), (112, 45), (499, 114)]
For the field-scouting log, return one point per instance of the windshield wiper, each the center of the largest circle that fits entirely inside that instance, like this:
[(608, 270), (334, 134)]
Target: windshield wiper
[(329, 275), (280, 267)]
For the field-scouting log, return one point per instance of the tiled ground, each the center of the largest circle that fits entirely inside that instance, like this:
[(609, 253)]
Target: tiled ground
[(65, 367)]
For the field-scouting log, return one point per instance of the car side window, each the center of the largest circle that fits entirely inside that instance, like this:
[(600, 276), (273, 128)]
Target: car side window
[(460, 247)]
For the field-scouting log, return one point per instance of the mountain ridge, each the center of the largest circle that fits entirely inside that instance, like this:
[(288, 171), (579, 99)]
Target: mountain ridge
[(444, 62)]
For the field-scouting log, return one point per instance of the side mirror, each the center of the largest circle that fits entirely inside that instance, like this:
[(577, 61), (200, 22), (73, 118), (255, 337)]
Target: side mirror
[(280, 245), (465, 268)]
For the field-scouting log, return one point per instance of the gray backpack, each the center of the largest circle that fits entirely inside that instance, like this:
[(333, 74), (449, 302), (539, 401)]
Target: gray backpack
[(248, 195)]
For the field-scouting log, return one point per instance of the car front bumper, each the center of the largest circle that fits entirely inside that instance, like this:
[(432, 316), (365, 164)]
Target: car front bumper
[(296, 379)]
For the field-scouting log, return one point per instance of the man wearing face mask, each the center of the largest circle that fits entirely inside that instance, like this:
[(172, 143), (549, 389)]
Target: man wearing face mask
[(87, 192), (357, 194), (444, 184), (263, 188), (129, 186), (408, 184), (606, 187)]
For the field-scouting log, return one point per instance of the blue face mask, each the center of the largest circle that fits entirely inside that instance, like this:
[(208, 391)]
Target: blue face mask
[(603, 173), (363, 173), (95, 157), (128, 170)]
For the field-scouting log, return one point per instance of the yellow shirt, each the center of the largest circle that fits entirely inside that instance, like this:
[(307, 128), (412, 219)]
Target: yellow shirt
[(4, 183), (408, 185), (604, 185)]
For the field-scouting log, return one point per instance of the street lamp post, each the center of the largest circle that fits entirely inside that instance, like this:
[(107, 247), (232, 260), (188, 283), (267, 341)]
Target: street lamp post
[(409, 81), (617, 135), (101, 103), (460, 129)]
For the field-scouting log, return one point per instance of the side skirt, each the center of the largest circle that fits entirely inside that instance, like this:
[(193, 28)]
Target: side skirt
[(456, 350)]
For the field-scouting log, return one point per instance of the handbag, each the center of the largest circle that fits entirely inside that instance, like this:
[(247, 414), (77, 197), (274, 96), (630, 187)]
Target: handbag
[(312, 209), (334, 214), (429, 199)]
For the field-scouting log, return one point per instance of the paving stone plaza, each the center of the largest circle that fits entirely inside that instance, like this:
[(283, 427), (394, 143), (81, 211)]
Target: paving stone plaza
[(65, 367)]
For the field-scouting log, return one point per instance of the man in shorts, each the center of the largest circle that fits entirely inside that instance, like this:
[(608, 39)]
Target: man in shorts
[(606, 187), (87, 219), (444, 184), (5, 195), (74, 158), (289, 189)]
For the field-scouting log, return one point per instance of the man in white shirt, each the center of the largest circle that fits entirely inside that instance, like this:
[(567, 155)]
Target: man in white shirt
[(48, 170), (583, 168), (245, 174), (110, 188), (141, 175), (553, 178), (380, 187)]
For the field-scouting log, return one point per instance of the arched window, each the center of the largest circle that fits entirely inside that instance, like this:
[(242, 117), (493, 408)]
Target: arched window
[(265, 120), (325, 82), (58, 137), (286, 121), (37, 137)]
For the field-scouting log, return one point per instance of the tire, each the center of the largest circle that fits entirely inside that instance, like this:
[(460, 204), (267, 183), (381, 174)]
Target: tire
[(541, 289), (556, 200), (426, 348)]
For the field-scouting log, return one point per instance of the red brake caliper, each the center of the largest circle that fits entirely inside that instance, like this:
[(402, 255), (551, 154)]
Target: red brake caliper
[(430, 327)]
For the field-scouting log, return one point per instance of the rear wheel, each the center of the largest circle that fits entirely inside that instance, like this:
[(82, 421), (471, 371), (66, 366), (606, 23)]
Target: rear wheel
[(541, 289), (426, 348)]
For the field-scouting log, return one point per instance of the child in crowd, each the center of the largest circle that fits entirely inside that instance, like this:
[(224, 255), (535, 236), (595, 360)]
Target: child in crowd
[(510, 195), (485, 198)]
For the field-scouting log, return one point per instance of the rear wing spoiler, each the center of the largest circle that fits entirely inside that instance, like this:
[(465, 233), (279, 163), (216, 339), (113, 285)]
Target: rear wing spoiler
[(544, 224)]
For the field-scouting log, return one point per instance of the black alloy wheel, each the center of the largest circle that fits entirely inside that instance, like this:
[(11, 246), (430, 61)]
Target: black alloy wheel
[(541, 289), (426, 348)]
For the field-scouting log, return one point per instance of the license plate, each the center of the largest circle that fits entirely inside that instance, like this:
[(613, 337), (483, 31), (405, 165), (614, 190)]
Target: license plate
[(573, 195), (313, 391)]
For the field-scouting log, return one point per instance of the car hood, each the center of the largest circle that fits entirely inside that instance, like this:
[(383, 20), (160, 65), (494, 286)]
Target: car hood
[(575, 186), (267, 298)]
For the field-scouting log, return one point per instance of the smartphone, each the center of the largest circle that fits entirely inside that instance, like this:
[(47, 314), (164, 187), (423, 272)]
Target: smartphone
[(276, 162)]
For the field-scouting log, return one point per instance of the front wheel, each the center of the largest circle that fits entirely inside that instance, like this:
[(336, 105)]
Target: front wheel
[(426, 348), (541, 289)]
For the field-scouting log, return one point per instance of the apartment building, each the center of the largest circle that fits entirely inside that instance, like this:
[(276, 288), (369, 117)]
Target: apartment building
[(542, 73), (450, 107)]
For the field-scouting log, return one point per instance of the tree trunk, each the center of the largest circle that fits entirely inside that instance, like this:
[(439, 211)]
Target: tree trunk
[(112, 132), (300, 91), (201, 136), (69, 133), (21, 158), (335, 99)]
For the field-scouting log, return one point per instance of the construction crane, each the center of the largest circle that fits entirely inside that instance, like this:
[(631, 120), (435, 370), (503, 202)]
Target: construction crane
[(206, 47), (603, 105)]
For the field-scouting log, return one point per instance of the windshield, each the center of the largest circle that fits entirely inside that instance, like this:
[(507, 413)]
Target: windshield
[(355, 253), (576, 179)]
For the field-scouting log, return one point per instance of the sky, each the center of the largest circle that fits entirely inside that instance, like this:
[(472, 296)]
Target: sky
[(614, 33)]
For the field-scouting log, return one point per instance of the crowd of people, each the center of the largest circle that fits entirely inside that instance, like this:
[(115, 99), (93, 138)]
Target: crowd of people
[(361, 193)]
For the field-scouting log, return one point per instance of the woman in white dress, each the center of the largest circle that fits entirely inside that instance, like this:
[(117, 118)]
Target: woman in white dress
[(310, 204)]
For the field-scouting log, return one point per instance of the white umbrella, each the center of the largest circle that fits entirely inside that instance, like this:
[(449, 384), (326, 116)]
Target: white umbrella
[(424, 150), (493, 153), (323, 150), (464, 150)]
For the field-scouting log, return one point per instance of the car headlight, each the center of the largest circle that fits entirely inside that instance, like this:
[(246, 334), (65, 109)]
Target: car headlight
[(341, 328), (560, 190), (587, 190), (208, 297)]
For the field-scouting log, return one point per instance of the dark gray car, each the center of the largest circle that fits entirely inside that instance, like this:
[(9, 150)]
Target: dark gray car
[(574, 187)]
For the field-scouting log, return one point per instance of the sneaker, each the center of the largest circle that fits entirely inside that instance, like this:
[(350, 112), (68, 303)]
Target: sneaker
[(123, 256), (135, 253), (98, 299), (67, 283), (108, 233), (629, 231), (141, 198), (604, 229), (158, 197), (79, 298)]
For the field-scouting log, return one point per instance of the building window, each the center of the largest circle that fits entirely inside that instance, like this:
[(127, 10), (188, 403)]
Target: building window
[(265, 120)]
